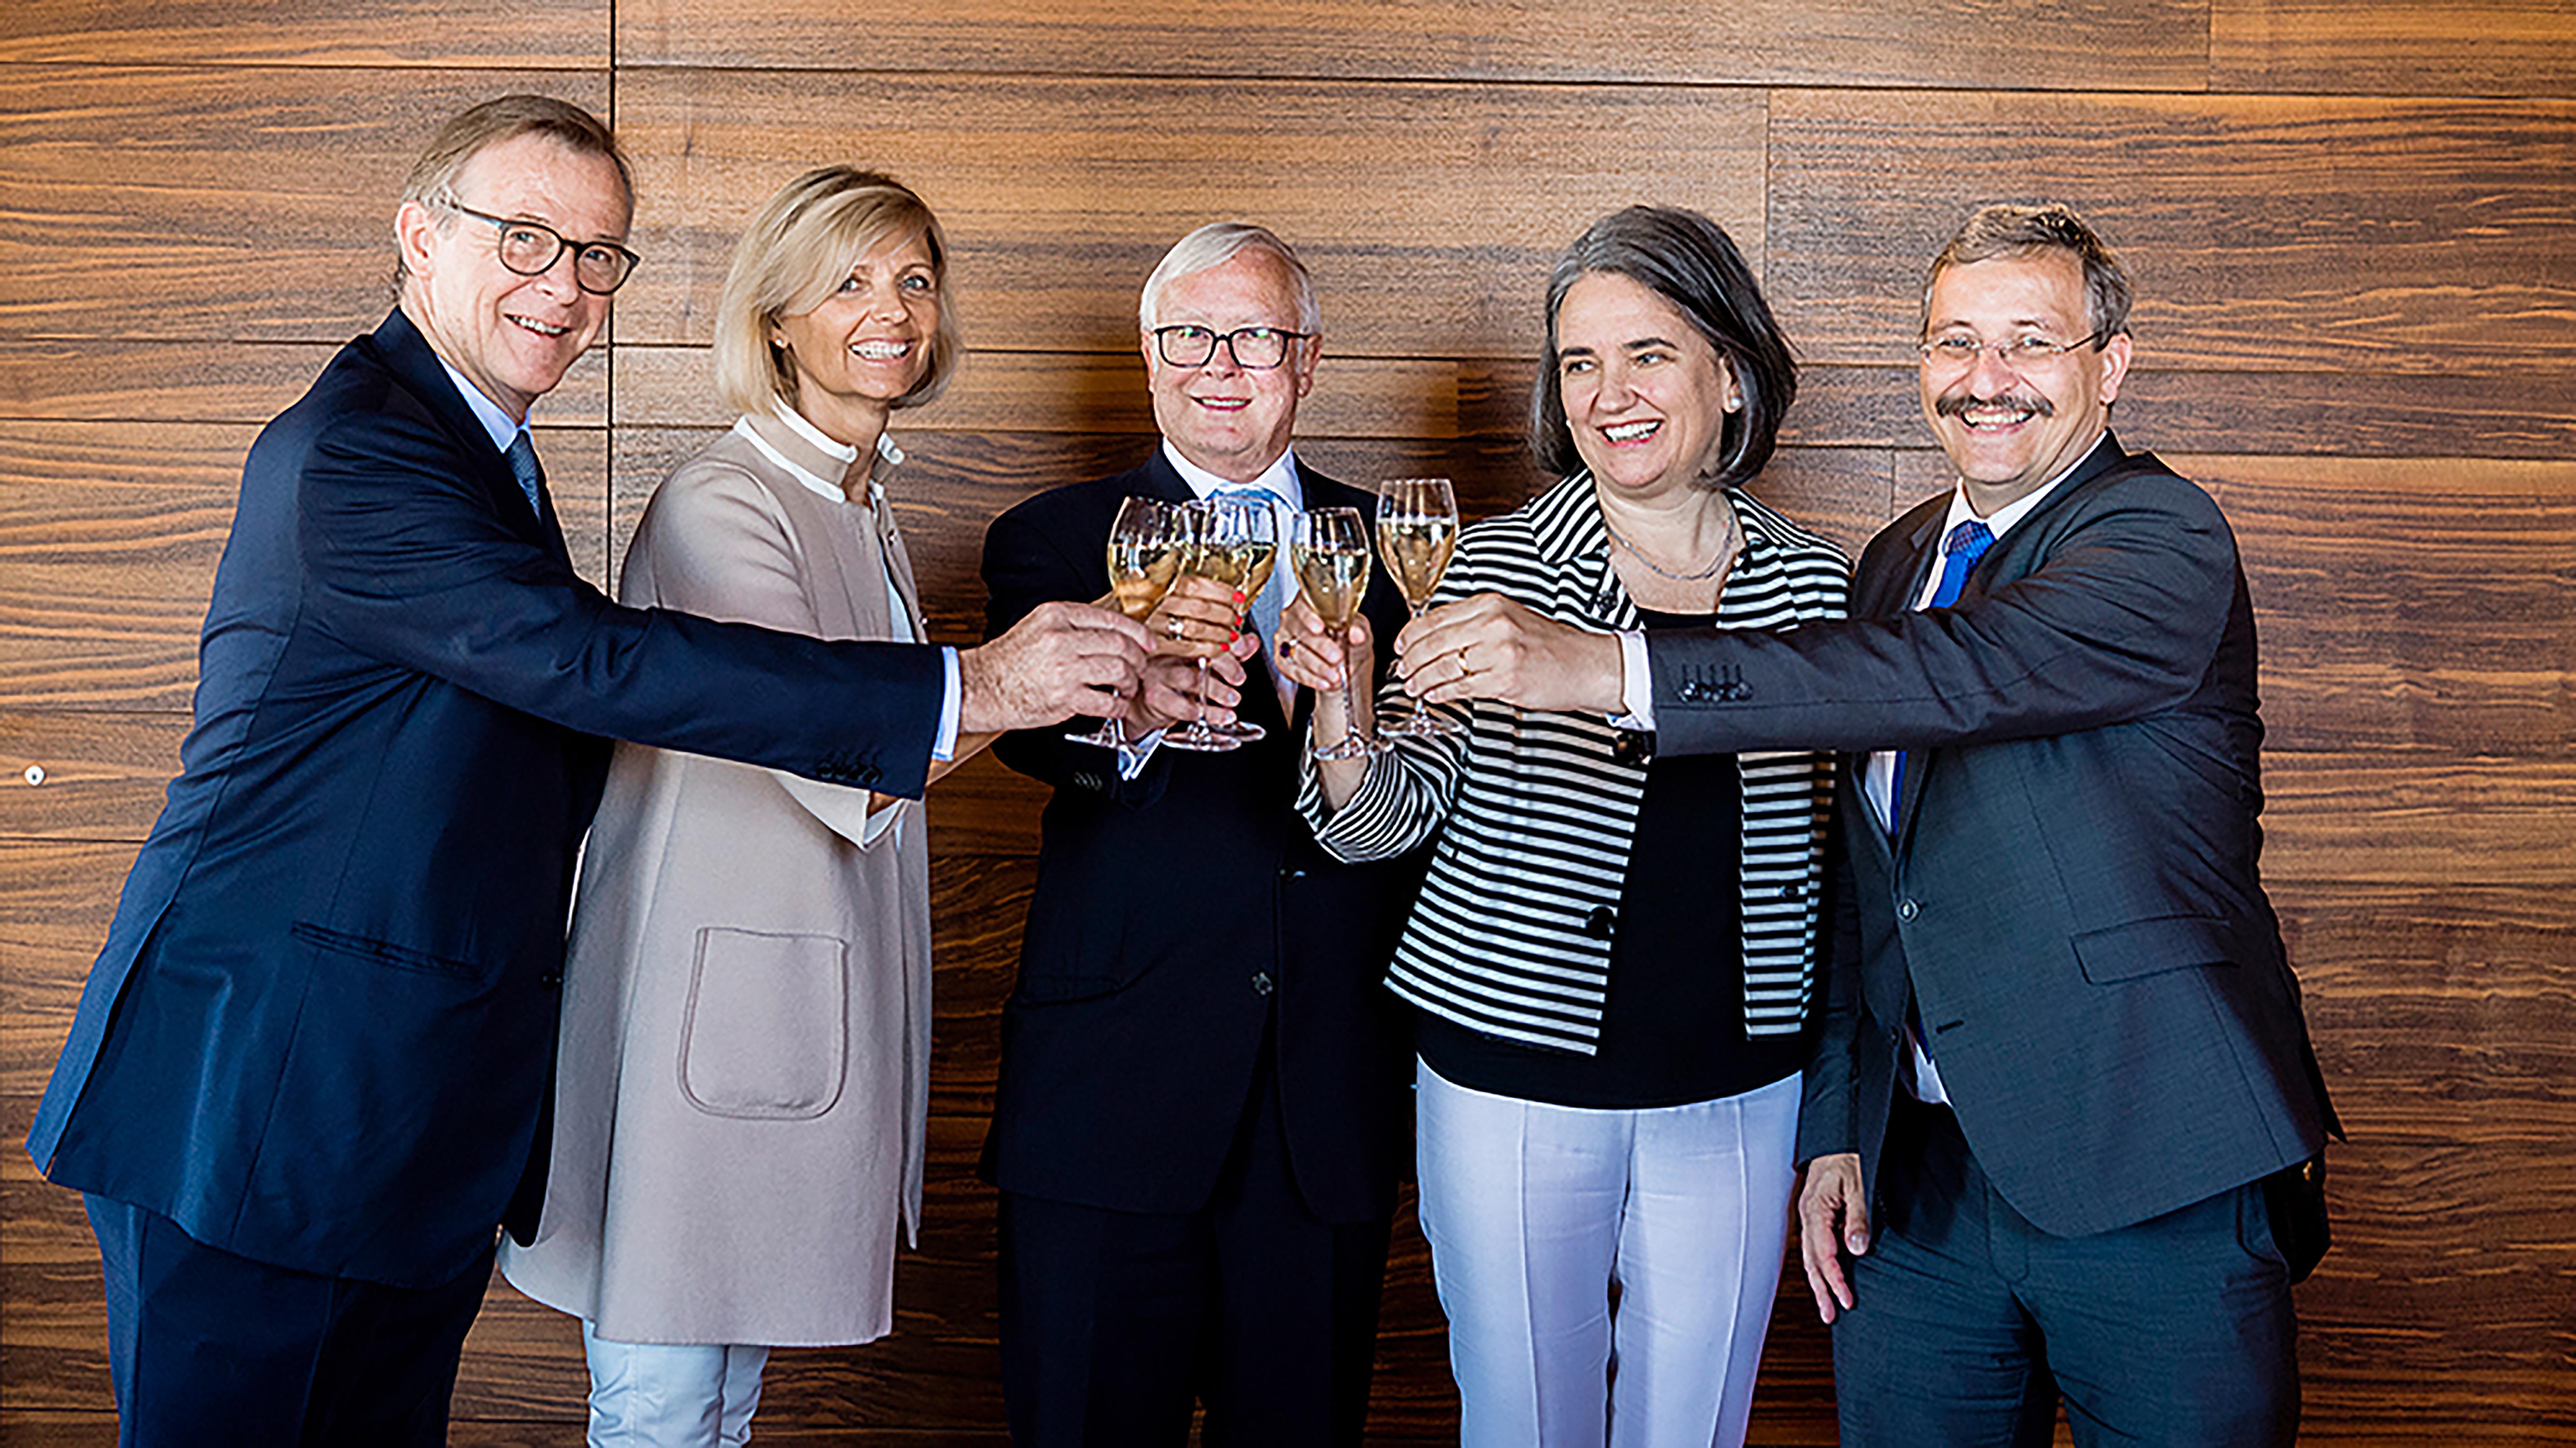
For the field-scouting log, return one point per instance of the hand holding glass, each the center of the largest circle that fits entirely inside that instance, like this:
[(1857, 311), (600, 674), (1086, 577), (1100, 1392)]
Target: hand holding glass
[(1330, 550), (1146, 540), (1417, 527), (1232, 542)]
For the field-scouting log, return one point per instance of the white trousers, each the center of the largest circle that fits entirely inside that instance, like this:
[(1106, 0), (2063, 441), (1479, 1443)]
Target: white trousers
[(671, 1395), (1534, 1212)]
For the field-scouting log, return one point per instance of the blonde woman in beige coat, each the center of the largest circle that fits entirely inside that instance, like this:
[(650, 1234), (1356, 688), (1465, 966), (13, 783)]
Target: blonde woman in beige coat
[(746, 1029)]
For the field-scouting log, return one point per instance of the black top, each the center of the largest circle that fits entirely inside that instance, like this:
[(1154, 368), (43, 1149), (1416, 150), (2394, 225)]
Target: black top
[(1672, 1030)]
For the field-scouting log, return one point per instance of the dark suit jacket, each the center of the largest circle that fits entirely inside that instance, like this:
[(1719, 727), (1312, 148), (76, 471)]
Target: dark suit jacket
[(2072, 890), (1177, 918), (320, 1030)]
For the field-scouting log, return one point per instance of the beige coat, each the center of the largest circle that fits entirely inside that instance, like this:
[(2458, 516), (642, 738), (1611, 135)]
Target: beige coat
[(745, 1043)]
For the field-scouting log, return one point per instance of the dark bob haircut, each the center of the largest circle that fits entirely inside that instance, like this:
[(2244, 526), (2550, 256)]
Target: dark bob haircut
[(1689, 261)]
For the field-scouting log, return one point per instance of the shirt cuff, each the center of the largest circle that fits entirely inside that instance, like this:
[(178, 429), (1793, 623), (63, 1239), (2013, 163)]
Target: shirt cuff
[(944, 747), (1636, 683)]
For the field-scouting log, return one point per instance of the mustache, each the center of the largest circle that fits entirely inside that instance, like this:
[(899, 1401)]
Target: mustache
[(1955, 403)]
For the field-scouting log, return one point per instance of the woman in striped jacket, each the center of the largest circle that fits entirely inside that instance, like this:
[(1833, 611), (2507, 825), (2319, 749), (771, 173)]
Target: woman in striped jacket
[(1612, 958)]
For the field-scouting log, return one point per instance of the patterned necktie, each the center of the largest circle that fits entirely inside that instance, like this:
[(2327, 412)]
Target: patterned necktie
[(523, 466), (1959, 553), (1273, 597)]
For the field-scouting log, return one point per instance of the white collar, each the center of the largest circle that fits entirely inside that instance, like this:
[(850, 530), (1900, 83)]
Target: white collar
[(1280, 478), (821, 442), (504, 428), (2019, 508)]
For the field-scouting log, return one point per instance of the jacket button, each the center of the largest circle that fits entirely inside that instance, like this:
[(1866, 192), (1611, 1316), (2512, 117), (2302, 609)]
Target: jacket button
[(1601, 922), (551, 980), (1907, 909), (1635, 746), (1261, 983)]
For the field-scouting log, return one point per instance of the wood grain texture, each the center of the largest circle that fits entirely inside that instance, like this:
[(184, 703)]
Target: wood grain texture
[(2158, 44), (1058, 195), (2399, 47), (217, 202), (76, 380), (109, 536), (2264, 234), (515, 34)]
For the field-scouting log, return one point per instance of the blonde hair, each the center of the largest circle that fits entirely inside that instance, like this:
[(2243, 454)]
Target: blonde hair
[(801, 247)]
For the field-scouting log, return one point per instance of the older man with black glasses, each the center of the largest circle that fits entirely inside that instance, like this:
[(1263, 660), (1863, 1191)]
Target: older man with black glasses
[(1202, 1112)]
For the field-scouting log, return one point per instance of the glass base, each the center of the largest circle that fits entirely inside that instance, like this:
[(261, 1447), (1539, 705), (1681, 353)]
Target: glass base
[(1422, 725), (1106, 734), (1357, 746), (1209, 738)]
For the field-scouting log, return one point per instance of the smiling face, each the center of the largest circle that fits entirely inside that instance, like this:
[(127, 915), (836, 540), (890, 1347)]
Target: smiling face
[(1225, 418), (1646, 396), (868, 343), (2009, 428), (512, 336)]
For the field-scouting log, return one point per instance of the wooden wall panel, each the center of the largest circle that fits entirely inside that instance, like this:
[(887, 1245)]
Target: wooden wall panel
[(215, 202), (2159, 44), (509, 34), (1059, 195), (2393, 47), (2350, 229), (2264, 234)]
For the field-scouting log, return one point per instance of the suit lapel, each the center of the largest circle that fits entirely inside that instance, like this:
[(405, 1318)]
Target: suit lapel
[(408, 355)]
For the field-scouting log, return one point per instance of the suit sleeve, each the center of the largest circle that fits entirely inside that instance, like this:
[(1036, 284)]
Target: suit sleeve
[(2121, 620), (722, 547), (408, 565), (1827, 1123)]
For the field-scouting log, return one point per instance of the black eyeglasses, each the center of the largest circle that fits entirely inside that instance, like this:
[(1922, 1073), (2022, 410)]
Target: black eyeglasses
[(1254, 349), (531, 249)]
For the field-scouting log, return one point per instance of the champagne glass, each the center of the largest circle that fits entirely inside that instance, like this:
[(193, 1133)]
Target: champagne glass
[(1146, 540), (1329, 548), (1417, 527), (1228, 538)]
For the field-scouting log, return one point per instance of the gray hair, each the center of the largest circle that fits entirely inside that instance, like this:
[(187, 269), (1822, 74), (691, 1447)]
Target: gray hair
[(2004, 230), (1215, 244)]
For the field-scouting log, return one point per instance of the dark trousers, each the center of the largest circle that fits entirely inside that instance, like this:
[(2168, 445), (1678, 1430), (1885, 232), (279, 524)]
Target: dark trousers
[(1969, 1324), (210, 1350), (1115, 1323)]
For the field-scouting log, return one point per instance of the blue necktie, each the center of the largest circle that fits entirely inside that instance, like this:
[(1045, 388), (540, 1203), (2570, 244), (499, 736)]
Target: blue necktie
[(523, 466), (1266, 605), (1959, 553)]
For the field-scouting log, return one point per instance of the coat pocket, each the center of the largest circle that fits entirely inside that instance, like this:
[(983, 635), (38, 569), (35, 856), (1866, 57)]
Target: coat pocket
[(766, 1034), (2159, 943)]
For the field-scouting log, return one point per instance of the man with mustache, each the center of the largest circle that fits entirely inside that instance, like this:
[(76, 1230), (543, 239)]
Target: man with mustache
[(2062, 1125)]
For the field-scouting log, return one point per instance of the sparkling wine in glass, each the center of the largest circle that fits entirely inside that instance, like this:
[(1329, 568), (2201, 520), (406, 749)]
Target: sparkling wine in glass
[(1229, 538), (1146, 541), (1417, 528), (1329, 548)]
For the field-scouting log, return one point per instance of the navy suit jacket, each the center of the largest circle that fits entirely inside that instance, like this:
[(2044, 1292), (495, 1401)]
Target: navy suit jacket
[(1178, 917), (319, 1034), (2072, 890)]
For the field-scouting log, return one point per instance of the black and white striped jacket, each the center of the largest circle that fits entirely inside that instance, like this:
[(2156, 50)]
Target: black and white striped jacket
[(1535, 810)]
